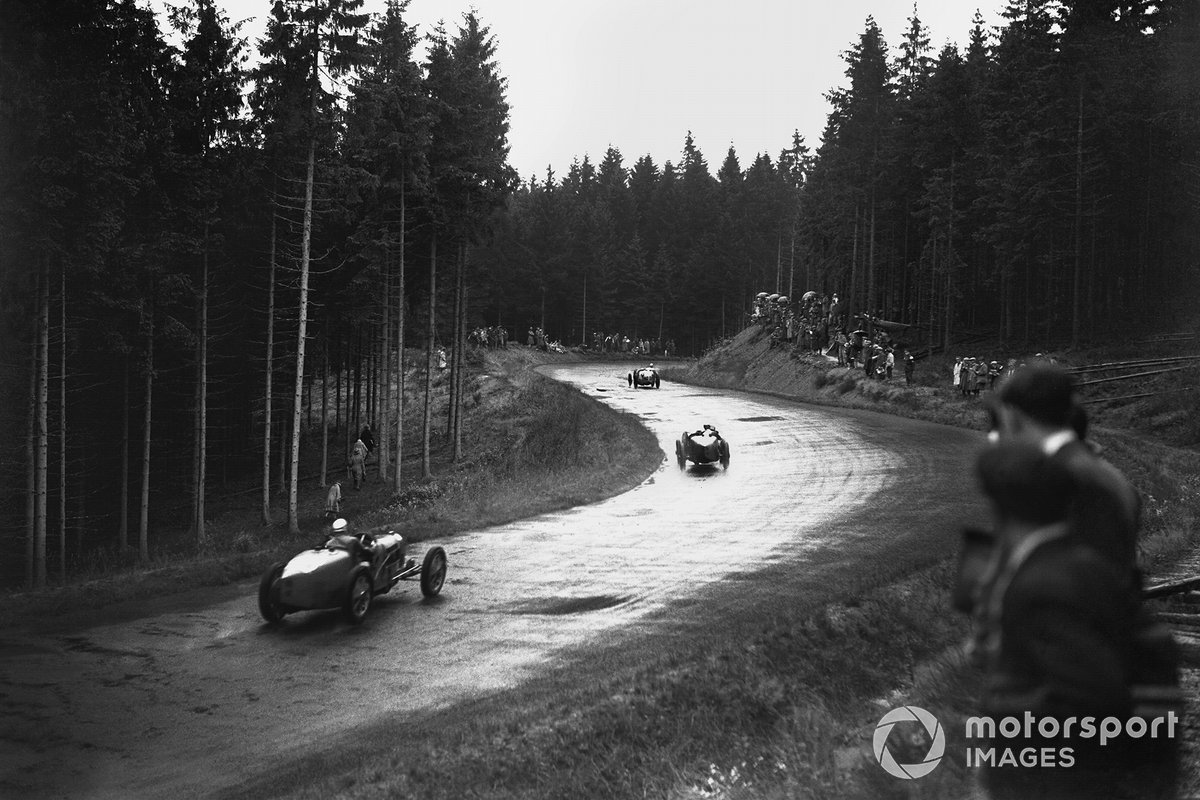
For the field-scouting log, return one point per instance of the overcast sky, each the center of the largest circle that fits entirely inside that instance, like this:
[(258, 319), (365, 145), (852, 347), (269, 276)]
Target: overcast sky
[(639, 74)]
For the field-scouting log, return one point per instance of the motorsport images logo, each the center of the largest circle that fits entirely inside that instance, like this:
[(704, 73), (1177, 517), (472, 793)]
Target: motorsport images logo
[(933, 728)]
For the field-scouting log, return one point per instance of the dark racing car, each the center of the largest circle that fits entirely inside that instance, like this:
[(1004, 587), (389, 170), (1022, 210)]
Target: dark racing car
[(705, 446), (346, 572), (645, 377)]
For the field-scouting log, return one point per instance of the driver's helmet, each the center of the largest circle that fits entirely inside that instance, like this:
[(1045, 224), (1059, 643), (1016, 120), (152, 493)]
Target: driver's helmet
[(651, 365), (339, 526)]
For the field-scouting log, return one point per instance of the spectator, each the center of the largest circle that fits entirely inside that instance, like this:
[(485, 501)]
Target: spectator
[(967, 376), (358, 461), (1035, 405), (890, 362), (981, 375), (367, 438), (1056, 631), (333, 500), (910, 364)]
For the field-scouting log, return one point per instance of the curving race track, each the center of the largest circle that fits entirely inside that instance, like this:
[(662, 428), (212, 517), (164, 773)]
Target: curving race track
[(199, 696)]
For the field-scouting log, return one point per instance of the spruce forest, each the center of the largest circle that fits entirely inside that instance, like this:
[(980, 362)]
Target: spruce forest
[(205, 239)]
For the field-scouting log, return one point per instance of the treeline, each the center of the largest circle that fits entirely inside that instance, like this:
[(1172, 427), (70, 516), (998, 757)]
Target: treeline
[(199, 250), (195, 244), (1039, 183)]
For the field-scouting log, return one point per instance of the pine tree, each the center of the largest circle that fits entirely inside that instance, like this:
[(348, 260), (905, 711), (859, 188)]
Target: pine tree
[(207, 96)]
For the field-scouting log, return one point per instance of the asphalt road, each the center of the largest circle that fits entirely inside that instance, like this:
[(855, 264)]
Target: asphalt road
[(196, 696)]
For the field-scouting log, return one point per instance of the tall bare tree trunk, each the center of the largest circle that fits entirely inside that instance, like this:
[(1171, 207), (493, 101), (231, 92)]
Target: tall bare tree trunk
[(355, 426), (950, 259), (1075, 283), (778, 262), (283, 454), (201, 431), (62, 430), (455, 352), (426, 464), (31, 457), (933, 277), (791, 265), (396, 486), (871, 304), (462, 371), (144, 517), (853, 273), (302, 332), (385, 363), (123, 531), (42, 454), (337, 387), (325, 411), (268, 400)]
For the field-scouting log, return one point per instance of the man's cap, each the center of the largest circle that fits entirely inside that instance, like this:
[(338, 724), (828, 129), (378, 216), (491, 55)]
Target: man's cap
[(1043, 391)]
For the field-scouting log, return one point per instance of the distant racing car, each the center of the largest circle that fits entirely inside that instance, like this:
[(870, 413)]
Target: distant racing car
[(347, 572), (646, 376), (705, 446)]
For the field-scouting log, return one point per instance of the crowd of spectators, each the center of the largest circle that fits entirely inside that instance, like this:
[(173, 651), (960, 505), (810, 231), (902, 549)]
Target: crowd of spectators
[(622, 343), (491, 338), (972, 374), (818, 325)]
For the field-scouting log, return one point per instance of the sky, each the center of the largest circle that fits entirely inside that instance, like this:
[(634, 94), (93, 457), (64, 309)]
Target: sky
[(639, 74)]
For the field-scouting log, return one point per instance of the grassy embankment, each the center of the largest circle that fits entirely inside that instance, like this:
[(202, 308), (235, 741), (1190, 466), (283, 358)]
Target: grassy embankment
[(525, 442), (786, 707)]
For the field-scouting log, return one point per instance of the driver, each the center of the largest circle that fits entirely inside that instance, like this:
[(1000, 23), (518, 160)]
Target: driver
[(364, 544)]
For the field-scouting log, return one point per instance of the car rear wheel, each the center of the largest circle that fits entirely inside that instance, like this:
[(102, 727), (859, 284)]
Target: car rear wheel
[(268, 595), (358, 596), (433, 572), (679, 455), (724, 455)]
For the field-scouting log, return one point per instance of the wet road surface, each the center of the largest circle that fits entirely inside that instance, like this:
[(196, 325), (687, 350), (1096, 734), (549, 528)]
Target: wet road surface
[(200, 695)]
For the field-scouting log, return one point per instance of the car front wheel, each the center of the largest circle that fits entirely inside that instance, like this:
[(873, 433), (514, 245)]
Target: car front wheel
[(268, 595), (358, 597), (433, 572)]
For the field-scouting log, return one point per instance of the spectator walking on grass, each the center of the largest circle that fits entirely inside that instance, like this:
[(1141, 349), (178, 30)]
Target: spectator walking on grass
[(358, 461), (333, 501), (910, 364)]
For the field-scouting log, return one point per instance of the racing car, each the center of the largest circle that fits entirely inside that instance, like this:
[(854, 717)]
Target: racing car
[(705, 446), (346, 572), (646, 376)]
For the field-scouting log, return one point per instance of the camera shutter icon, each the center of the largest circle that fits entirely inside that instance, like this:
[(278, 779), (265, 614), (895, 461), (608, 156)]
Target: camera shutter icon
[(937, 747)]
